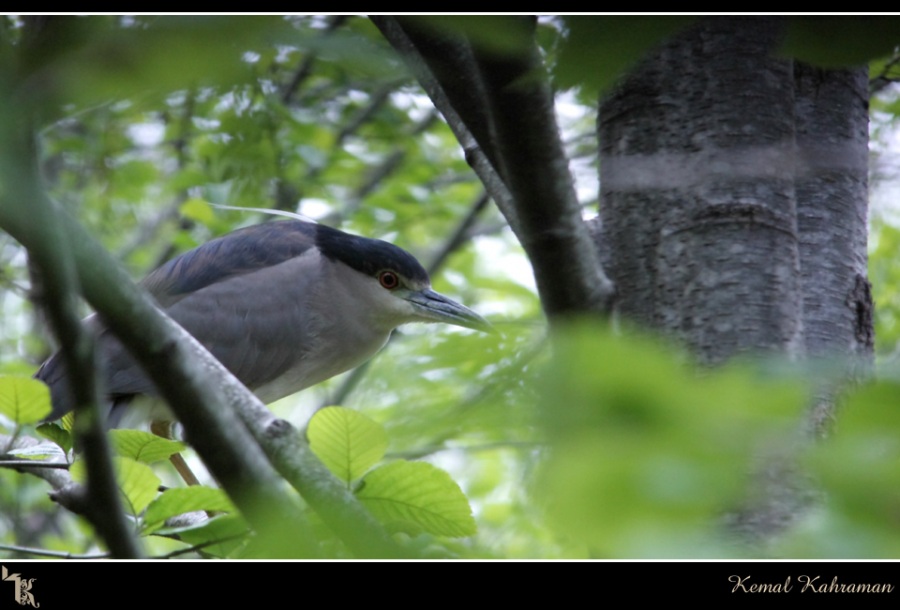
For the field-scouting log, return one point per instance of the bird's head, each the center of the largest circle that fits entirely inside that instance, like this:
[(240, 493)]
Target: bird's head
[(390, 282)]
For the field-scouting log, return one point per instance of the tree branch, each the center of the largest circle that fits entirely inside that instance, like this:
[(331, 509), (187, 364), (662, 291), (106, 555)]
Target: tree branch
[(50, 256), (475, 91), (476, 156), (568, 273)]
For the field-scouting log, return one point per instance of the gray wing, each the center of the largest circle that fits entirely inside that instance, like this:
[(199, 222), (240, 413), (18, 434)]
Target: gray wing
[(244, 251), (256, 324), (242, 296)]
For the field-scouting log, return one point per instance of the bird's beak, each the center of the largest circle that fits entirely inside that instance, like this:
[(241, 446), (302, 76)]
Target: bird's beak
[(435, 307)]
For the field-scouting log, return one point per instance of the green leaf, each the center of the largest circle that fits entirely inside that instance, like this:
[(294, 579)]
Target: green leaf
[(44, 451), (143, 446), (56, 433), (137, 482), (95, 61), (182, 500), (832, 41), (197, 209), (501, 35), (68, 421), (218, 537), (347, 442), (24, 400), (596, 50), (414, 496)]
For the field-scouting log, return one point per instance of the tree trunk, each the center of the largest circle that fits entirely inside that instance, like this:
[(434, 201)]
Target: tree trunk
[(733, 189), (698, 198), (734, 196)]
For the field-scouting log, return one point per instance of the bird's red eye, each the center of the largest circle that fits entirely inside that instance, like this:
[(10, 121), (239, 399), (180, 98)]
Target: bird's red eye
[(388, 279)]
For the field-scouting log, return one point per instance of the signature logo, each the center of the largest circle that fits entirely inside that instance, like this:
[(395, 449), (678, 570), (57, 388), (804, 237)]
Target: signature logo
[(24, 596)]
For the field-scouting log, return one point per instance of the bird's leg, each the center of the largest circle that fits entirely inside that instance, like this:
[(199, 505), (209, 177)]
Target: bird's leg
[(163, 429)]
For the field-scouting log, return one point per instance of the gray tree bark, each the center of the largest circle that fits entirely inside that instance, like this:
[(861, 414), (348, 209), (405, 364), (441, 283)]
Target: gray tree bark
[(831, 112), (733, 190), (734, 196), (698, 198)]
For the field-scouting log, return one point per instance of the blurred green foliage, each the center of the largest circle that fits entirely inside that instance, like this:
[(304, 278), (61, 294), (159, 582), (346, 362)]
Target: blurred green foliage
[(885, 277), (606, 445)]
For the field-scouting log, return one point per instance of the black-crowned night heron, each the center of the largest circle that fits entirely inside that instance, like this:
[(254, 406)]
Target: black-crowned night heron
[(283, 305)]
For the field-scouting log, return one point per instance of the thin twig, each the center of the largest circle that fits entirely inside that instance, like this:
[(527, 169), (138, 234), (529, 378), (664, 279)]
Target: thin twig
[(46, 553)]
